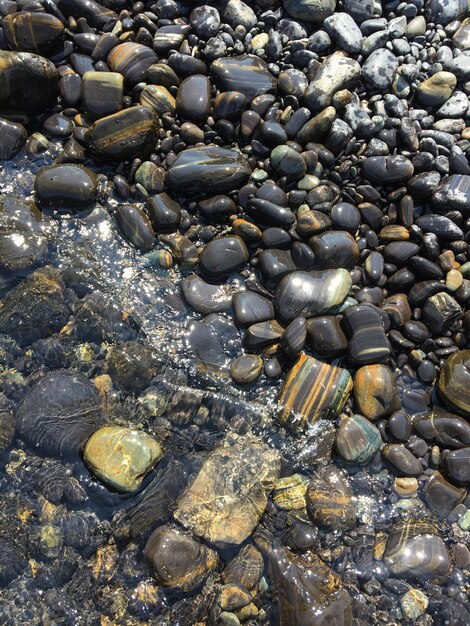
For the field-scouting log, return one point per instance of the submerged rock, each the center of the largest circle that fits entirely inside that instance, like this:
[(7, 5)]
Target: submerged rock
[(36, 308), (454, 382), (229, 494), (121, 457), (59, 413), (308, 592), (177, 560)]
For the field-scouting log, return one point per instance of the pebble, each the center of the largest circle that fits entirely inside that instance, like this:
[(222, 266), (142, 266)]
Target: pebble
[(121, 457), (375, 391), (65, 187), (437, 89), (204, 297), (453, 385), (357, 440), (246, 369), (222, 257), (337, 72), (379, 69), (23, 73), (312, 390), (12, 138)]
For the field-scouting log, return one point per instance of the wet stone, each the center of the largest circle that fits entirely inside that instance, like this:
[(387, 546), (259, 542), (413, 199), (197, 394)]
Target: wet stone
[(121, 457), (453, 193), (437, 89), (59, 413), (454, 382), (457, 464), (308, 591), (207, 170), (125, 134), (101, 93), (288, 162), (32, 32), (357, 440), (294, 337), (250, 308), (158, 98), (229, 494), (132, 60), (379, 69), (311, 293), (36, 308), (23, 74), (222, 257), (375, 391), (65, 187), (247, 74), (246, 369), (164, 213), (388, 169), (205, 298), (289, 492), (415, 551), (312, 390), (12, 138), (402, 460), (131, 366), (193, 100), (245, 569), (442, 497), (440, 311), (326, 337), (135, 226), (445, 429), (263, 334), (368, 342), (177, 560), (330, 503), (334, 249)]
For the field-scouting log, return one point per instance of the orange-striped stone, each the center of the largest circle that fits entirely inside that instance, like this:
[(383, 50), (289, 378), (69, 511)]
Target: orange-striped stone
[(313, 390)]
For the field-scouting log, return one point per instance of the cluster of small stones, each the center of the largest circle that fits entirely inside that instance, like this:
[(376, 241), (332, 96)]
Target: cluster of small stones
[(303, 166)]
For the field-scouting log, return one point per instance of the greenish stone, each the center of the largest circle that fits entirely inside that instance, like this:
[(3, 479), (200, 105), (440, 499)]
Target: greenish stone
[(464, 521), (413, 604), (259, 175), (121, 457), (357, 440), (288, 162)]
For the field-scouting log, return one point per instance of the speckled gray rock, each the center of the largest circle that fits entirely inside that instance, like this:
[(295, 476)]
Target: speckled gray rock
[(455, 107), (380, 68), (337, 72), (445, 11), (344, 31), (453, 193), (310, 10), (238, 12)]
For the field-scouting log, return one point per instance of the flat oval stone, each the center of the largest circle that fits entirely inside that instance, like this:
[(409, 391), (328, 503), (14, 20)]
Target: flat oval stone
[(310, 10), (246, 73), (59, 413), (388, 169), (312, 390), (135, 226), (245, 369), (375, 391), (28, 82), (357, 440), (208, 170), (454, 382), (121, 457), (65, 186), (125, 134), (401, 459), (305, 294), (437, 89), (193, 100), (204, 297), (132, 60), (32, 32), (222, 257)]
